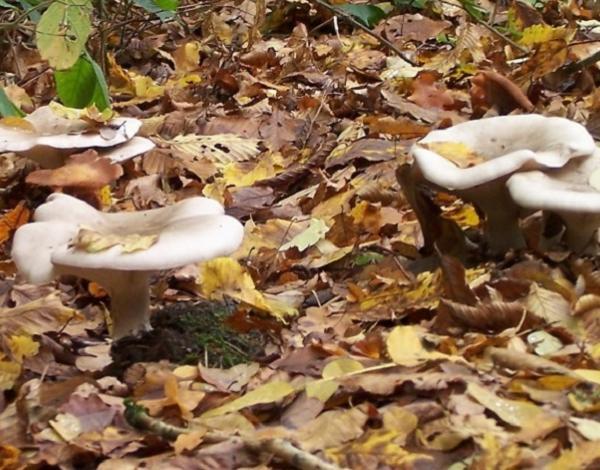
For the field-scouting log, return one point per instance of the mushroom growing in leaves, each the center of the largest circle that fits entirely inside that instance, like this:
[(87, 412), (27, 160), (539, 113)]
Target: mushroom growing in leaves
[(572, 192), (121, 250), (474, 159), (48, 137)]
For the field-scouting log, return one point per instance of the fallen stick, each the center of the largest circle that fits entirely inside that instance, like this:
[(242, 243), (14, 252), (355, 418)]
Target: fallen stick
[(139, 418)]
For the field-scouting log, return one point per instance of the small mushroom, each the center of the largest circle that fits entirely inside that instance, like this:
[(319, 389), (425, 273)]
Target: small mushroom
[(570, 192), (121, 250), (502, 146), (48, 138)]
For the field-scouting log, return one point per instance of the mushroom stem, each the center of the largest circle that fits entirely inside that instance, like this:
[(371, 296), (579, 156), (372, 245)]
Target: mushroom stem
[(129, 297), (129, 302), (501, 216), (580, 229)]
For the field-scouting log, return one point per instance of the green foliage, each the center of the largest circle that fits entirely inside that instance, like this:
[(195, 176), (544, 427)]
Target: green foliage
[(62, 32), (4, 4), (164, 9), (474, 9), (369, 15), (368, 257), (414, 4), (7, 108), (82, 85)]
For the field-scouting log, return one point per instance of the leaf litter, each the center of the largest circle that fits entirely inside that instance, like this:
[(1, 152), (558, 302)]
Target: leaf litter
[(374, 352)]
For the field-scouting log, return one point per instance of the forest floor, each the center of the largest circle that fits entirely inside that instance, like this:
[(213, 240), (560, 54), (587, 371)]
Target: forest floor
[(335, 336)]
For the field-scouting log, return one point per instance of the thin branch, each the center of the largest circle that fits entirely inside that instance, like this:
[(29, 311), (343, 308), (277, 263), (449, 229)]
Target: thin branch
[(296, 458), (346, 16), (581, 64)]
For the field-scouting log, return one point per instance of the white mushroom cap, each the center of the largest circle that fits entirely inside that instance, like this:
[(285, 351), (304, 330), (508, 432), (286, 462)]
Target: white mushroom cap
[(130, 149), (567, 192), (115, 132), (508, 143), (192, 230), (52, 137)]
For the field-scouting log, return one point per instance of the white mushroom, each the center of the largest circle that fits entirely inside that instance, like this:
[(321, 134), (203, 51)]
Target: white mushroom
[(49, 138), (192, 230), (567, 192), (505, 144)]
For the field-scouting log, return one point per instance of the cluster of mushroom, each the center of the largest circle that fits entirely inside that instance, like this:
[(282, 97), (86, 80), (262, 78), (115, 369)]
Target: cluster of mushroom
[(523, 163), (48, 137)]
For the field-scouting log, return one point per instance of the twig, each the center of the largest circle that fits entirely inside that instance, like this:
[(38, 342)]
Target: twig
[(502, 36), (341, 13), (138, 417), (581, 64), (490, 28)]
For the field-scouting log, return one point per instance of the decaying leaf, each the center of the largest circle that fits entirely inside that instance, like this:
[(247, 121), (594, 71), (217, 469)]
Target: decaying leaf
[(92, 241)]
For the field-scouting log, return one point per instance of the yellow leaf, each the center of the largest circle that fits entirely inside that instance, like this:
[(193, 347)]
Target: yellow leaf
[(9, 373), (341, 367), (323, 389), (236, 174), (17, 123), (539, 33), (405, 348), (93, 242), (591, 375), (267, 393), (456, 152), (225, 276), (22, 346), (187, 57), (579, 457), (516, 412), (309, 237), (105, 196), (188, 441)]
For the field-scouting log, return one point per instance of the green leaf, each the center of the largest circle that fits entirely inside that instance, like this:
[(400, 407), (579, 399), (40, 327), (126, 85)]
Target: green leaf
[(369, 15), (3, 4), (33, 14), (164, 9), (82, 85), (63, 31), (416, 4), (368, 257), (7, 108), (474, 9)]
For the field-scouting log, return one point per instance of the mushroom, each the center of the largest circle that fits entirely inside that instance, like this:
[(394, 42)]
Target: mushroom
[(503, 145), (48, 138), (66, 233), (570, 192)]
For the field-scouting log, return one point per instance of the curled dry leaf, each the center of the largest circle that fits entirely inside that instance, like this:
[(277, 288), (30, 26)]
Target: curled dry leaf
[(84, 170)]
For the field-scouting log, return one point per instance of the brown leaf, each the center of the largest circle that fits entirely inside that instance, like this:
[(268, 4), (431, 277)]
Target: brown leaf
[(12, 220), (83, 170), (402, 128), (429, 92), (493, 316), (454, 281), (403, 28)]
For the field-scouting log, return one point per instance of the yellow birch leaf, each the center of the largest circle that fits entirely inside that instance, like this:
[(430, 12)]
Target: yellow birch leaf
[(579, 457), (457, 152), (22, 346), (225, 276), (405, 348), (93, 242), (267, 393), (516, 412), (9, 373), (539, 33)]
